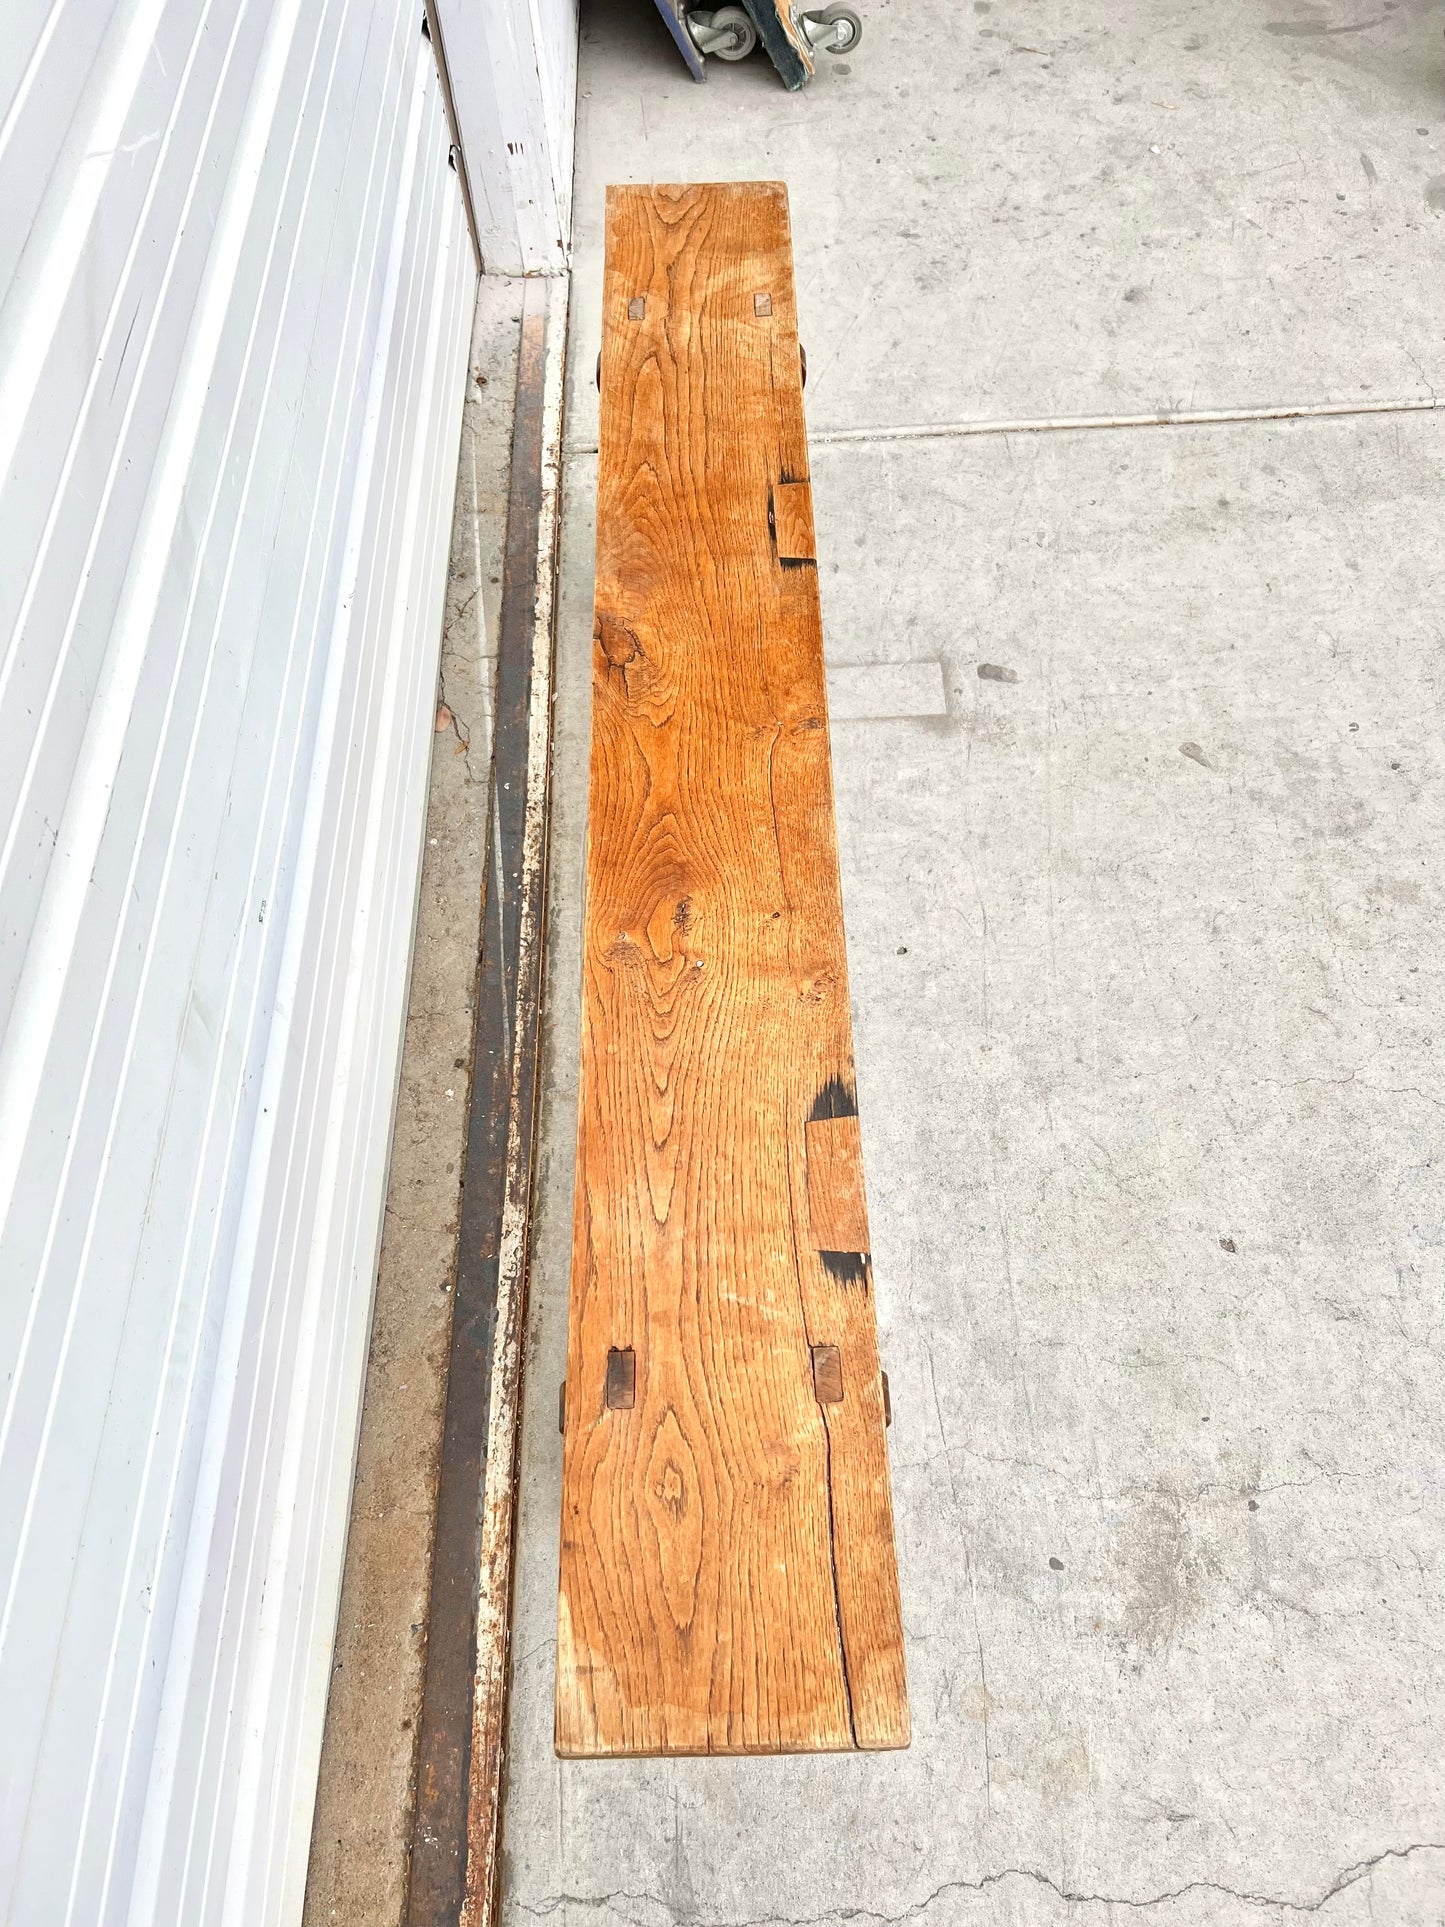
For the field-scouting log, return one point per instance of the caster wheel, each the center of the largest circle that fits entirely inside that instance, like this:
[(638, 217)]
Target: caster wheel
[(803, 358), (742, 35), (599, 371), (847, 29)]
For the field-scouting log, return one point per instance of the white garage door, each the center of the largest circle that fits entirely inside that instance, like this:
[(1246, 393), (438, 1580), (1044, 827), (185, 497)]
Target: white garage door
[(237, 288)]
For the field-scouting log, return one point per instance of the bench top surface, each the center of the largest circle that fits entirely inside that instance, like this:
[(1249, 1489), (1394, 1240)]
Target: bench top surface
[(728, 1578)]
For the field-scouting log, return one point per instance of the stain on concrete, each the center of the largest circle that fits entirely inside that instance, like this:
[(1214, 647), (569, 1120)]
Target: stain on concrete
[(1371, 173), (1393, 890), (1435, 191), (1318, 29), (1066, 1767), (1195, 755), (995, 672), (886, 691), (1166, 1572)]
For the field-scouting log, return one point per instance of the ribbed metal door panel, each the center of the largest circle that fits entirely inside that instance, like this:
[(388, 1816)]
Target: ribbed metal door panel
[(237, 290)]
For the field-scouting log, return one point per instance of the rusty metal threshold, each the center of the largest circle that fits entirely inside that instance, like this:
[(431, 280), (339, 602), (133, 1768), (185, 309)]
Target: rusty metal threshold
[(455, 1828)]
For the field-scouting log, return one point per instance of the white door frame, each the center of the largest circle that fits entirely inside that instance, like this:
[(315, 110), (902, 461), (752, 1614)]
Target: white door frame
[(509, 68)]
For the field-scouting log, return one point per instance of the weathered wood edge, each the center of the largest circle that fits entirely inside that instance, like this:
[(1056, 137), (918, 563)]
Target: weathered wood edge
[(461, 1745), (782, 42)]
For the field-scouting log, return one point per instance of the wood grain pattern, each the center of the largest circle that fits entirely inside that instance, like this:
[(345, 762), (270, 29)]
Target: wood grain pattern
[(728, 1580), (837, 1209), (828, 1374), (793, 522)]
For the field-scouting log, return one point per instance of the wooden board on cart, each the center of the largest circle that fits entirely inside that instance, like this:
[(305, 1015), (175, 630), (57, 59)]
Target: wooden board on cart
[(728, 1578), (785, 43)]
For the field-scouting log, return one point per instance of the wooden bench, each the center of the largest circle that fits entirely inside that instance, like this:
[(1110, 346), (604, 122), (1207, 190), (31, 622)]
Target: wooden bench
[(728, 1580)]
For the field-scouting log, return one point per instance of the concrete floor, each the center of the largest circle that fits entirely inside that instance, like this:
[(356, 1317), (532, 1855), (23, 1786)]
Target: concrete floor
[(362, 1829), (1141, 800)]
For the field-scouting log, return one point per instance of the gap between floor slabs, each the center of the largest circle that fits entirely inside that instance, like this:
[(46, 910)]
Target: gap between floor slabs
[(1050, 424)]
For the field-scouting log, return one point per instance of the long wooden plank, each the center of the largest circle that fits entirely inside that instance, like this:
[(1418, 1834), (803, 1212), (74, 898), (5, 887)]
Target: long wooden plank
[(728, 1581)]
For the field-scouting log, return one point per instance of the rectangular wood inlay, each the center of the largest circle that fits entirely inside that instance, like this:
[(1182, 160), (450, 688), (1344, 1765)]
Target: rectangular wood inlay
[(828, 1375), (728, 1578), (837, 1212), (793, 522)]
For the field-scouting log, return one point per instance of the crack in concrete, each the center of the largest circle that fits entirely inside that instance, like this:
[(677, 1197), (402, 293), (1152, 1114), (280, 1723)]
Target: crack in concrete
[(460, 729), (1348, 1877)]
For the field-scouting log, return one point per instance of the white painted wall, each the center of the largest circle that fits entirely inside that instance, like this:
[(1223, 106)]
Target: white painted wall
[(513, 67), (235, 295)]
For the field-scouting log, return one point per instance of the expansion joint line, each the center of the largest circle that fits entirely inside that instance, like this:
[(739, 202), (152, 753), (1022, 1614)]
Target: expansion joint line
[(1073, 424)]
